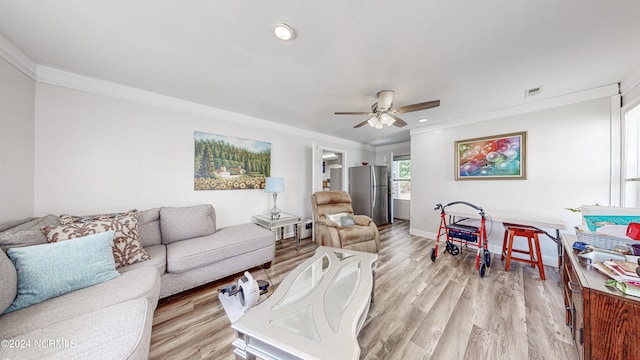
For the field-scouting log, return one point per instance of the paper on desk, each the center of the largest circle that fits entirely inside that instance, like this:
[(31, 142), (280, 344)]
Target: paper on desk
[(619, 231)]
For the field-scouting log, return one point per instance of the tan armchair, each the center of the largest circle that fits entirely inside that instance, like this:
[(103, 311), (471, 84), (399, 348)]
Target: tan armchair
[(363, 236)]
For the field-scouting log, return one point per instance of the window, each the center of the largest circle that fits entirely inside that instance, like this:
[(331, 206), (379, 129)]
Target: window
[(631, 158), (401, 178)]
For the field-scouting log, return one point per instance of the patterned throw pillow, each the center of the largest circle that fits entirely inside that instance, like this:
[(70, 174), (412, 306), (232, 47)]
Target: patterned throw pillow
[(336, 217), (126, 247), (68, 219), (347, 221)]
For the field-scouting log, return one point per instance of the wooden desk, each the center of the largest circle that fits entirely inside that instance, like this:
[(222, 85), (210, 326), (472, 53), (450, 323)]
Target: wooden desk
[(538, 221), (605, 323)]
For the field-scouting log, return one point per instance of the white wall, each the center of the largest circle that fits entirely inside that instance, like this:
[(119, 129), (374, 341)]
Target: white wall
[(382, 152), (17, 93), (568, 155), (97, 153)]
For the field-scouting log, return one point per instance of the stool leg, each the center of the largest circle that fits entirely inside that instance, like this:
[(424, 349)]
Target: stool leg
[(540, 264), (510, 248), (529, 238), (504, 243)]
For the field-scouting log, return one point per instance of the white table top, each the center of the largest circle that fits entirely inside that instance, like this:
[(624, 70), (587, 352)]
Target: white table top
[(509, 216), (317, 310)]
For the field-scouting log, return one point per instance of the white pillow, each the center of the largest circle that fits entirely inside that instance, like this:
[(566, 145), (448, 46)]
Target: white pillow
[(336, 217)]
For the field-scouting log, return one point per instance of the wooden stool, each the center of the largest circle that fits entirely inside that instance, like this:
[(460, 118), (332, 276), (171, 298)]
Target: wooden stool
[(531, 233)]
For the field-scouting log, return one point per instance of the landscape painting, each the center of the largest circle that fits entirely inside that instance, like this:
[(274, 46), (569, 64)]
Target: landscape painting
[(230, 163)]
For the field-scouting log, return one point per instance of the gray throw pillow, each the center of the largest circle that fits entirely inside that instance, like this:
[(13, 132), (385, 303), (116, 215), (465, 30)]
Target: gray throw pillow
[(180, 223), (27, 234), (9, 283)]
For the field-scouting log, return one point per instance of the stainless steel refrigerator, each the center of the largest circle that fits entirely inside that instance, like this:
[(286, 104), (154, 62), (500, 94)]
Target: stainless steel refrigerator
[(369, 189)]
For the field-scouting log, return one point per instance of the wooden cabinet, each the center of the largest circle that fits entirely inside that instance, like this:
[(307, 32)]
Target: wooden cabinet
[(605, 324)]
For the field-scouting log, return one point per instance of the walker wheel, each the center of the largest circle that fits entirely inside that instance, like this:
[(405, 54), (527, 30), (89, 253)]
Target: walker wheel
[(455, 250), (487, 258), (433, 254), (483, 269)]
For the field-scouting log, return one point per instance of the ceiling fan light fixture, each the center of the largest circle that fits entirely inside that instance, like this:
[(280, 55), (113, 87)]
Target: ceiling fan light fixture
[(387, 120), (284, 32), (372, 122), (379, 125)]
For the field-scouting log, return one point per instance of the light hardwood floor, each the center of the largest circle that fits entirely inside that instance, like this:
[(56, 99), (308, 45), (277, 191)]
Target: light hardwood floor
[(422, 309)]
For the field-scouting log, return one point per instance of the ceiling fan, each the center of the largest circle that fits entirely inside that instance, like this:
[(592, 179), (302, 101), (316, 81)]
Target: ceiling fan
[(383, 113)]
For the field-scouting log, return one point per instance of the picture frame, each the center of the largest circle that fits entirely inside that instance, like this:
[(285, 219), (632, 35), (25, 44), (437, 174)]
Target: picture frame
[(224, 162), (497, 157)]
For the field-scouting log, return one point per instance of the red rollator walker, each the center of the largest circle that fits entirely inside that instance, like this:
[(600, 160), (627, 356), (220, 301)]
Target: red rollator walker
[(464, 234)]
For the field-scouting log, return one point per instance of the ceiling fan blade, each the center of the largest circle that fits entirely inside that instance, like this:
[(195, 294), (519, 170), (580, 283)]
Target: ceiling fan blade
[(419, 106), (361, 124), (385, 100), (352, 113), (398, 122)]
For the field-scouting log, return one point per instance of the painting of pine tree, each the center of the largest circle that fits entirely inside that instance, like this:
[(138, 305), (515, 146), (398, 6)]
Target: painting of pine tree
[(230, 163)]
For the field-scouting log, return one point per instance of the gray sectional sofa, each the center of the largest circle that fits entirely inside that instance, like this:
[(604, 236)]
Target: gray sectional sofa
[(113, 319), (189, 250)]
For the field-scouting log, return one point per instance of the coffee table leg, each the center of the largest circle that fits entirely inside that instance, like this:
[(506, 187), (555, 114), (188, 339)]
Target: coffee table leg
[(240, 345), (297, 236), (373, 286)]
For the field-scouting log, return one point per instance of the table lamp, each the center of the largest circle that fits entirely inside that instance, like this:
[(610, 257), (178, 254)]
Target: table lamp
[(274, 185)]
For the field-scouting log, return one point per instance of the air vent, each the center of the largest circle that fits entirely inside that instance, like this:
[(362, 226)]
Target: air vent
[(533, 91)]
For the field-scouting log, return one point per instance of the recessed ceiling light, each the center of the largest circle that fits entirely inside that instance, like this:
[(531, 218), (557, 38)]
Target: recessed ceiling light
[(284, 32), (423, 120)]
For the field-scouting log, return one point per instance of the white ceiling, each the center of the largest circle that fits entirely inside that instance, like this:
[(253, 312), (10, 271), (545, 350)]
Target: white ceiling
[(475, 56)]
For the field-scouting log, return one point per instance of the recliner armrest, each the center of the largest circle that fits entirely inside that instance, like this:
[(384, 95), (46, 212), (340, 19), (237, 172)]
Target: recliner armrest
[(327, 222), (362, 220)]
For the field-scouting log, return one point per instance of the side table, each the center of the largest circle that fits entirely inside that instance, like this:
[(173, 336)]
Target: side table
[(278, 225)]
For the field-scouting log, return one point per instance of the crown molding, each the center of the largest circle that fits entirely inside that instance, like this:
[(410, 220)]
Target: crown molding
[(56, 77), (14, 56), (567, 99), (630, 82)]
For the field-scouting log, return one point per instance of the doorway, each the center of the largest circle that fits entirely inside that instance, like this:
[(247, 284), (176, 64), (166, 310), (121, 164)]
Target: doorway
[(329, 169), (332, 170)]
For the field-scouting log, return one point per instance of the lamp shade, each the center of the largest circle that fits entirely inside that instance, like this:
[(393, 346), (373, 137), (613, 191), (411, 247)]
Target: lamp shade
[(274, 185)]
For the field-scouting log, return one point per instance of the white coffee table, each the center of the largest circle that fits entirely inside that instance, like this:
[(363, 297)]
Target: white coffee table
[(315, 313)]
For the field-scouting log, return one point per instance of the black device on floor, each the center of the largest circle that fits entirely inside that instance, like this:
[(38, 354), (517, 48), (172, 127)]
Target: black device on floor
[(263, 285)]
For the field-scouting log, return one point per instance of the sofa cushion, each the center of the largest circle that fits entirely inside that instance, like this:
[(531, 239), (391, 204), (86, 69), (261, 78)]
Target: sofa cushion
[(126, 247), (158, 259), (180, 223), (74, 264), (143, 282), (28, 233), (225, 243), (110, 333), (68, 219), (149, 228), (9, 282), (14, 223)]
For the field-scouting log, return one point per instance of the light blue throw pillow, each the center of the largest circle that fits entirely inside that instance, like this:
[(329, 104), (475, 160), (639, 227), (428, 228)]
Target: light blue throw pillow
[(49, 270)]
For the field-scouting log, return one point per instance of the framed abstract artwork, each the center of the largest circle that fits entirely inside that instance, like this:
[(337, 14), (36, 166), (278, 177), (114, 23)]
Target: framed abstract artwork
[(492, 157), (230, 163)]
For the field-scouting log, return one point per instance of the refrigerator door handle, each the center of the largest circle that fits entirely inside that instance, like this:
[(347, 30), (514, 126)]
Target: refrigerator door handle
[(373, 197), (374, 180)]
